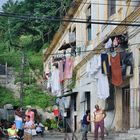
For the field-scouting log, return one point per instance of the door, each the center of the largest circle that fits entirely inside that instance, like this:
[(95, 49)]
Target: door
[(126, 108), (87, 96)]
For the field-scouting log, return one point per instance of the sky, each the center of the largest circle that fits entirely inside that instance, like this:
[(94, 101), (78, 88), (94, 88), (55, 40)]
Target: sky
[(2, 2)]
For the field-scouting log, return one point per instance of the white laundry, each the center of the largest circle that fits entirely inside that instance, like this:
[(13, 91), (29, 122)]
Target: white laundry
[(108, 44), (102, 80), (55, 82), (91, 68)]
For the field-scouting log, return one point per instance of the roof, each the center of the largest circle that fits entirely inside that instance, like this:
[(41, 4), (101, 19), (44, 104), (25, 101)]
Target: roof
[(67, 45), (62, 28)]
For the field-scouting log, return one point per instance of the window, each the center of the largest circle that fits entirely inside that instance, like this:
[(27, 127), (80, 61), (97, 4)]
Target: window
[(88, 27), (72, 35), (72, 41), (89, 32), (111, 7)]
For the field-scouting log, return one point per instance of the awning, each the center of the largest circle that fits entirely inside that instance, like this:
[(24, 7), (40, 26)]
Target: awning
[(68, 94), (67, 45)]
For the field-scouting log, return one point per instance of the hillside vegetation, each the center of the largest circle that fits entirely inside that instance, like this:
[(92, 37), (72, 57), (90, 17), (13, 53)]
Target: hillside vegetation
[(28, 37)]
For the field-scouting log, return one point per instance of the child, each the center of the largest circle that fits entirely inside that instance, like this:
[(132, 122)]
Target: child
[(12, 131), (28, 126)]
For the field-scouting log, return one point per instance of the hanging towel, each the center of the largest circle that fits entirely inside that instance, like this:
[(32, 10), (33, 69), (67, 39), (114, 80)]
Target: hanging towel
[(55, 85), (68, 68), (61, 71), (116, 70), (105, 63)]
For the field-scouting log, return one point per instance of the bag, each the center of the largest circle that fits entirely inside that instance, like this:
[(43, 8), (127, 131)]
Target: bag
[(34, 132)]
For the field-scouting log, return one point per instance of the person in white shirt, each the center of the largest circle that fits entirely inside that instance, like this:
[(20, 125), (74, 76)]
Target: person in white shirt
[(18, 119), (39, 128), (28, 126)]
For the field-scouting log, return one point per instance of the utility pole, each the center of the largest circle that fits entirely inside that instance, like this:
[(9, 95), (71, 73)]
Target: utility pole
[(21, 78), (6, 73)]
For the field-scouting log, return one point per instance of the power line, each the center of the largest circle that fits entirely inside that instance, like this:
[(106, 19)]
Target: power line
[(124, 0), (19, 16), (54, 19), (85, 50), (100, 4), (126, 21), (77, 51)]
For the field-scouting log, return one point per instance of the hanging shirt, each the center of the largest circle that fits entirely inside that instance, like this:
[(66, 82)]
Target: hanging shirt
[(108, 44), (102, 80), (88, 68), (55, 82), (61, 71), (105, 62), (92, 67), (68, 68), (116, 70)]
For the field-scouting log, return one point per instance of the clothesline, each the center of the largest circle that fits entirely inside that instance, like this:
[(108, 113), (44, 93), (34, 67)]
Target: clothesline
[(96, 50)]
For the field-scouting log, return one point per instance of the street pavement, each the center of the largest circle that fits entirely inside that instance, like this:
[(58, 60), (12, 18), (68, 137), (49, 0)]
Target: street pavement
[(61, 136)]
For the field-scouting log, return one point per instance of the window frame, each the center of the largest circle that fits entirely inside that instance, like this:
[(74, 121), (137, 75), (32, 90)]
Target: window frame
[(111, 7)]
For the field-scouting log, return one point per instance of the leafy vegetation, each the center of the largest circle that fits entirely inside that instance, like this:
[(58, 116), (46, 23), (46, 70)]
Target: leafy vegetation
[(31, 37), (7, 97), (36, 97)]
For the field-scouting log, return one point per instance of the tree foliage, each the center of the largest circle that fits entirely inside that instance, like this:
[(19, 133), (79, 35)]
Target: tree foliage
[(7, 97), (36, 97), (40, 31), (30, 36)]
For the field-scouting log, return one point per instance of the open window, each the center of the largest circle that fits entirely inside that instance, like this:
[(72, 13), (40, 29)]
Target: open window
[(111, 7), (88, 26)]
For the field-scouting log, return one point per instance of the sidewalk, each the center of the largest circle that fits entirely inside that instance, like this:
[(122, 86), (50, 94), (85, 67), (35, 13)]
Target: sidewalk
[(78, 135)]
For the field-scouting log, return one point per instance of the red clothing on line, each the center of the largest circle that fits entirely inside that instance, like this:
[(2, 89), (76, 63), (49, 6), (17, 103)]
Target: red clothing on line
[(116, 70)]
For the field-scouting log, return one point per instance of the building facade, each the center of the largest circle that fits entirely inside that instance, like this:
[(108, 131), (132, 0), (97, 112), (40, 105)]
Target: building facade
[(111, 29)]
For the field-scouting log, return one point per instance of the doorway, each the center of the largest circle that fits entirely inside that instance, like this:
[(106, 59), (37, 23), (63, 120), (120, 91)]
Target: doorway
[(87, 98)]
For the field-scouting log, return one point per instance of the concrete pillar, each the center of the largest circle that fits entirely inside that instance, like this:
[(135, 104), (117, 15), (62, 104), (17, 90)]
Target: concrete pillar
[(134, 91), (118, 113)]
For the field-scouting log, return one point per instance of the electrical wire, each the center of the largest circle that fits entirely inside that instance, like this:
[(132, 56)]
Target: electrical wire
[(91, 20), (17, 56), (55, 19), (100, 4)]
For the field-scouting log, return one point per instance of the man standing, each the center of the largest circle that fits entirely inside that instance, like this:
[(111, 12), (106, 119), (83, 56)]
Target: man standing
[(99, 116), (85, 124)]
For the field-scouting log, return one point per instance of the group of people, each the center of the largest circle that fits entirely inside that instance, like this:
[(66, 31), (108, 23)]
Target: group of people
[(24, 125), (98, 120)]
